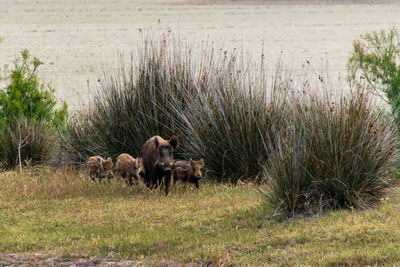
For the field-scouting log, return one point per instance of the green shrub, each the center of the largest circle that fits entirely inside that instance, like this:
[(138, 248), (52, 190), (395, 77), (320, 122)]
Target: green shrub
[(335, 153), (27, 107), (26, 97), (376, 58)]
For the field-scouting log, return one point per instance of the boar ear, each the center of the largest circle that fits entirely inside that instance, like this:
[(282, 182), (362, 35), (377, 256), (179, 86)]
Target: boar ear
[(202, 162), (156, 142), (174, 142), (191, 162)]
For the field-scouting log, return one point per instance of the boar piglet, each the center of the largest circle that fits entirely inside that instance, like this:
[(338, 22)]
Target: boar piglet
[(128, 167), (98, 167), (188, 171)]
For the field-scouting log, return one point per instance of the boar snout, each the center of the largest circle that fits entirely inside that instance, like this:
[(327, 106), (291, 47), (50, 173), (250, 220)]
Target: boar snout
[(168, 170), (165, 167)]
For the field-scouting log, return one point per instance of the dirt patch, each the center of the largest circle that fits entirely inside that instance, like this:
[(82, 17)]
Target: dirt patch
[(40, 260)]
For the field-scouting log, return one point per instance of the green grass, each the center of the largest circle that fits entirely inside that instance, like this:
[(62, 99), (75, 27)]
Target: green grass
[(62, 214)]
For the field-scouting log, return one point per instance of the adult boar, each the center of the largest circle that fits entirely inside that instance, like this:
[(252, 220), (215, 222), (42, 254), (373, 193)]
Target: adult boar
[(158, 160), (141, 170)]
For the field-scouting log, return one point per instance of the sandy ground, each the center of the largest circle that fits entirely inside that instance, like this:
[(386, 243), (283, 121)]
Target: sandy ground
[(73, 37), (39, 260)]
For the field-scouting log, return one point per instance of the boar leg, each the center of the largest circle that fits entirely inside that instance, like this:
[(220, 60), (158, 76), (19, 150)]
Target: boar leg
[(167, 180), (146, 179), (130, 182), (154, 177)]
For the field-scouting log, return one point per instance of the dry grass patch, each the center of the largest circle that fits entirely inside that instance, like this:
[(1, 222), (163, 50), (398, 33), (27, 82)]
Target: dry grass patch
[(64, 215)]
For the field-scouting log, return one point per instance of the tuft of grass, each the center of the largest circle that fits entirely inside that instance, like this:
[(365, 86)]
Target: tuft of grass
[(335, 153), (62, 215)]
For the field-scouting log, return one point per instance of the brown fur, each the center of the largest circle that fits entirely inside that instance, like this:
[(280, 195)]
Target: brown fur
[(128, 167), (99, 168), (188, 171), (141, 170), (158, 160)]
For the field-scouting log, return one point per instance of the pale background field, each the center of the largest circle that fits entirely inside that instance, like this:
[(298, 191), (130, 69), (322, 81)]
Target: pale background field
[(73, 37)]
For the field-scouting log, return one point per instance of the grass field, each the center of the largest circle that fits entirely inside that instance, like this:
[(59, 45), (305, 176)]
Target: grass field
[(63, 216)]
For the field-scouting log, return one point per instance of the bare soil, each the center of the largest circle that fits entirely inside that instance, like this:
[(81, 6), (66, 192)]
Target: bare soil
[(41, 260)]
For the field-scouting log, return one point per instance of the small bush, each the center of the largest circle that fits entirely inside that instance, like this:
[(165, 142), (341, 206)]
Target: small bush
[(27, 112), (36, 142), (334, 154), (376, 59)]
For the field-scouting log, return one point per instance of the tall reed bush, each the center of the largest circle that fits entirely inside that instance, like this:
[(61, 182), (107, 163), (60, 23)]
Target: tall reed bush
[(214, 102), (131, 104), (335, 153), (230, 121)]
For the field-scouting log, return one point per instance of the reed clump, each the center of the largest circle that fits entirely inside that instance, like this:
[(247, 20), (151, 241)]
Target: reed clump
[(337, 152)]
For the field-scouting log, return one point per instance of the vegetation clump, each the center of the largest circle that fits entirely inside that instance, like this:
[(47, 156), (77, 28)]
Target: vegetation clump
[(220, 111), (376, 60), (28, 114), (335, 153), (131, 104)]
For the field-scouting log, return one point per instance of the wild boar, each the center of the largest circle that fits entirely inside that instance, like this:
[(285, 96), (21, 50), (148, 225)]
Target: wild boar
[(98, 167), (158, 160), (128, 167), (141, 170), (188, 171)]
